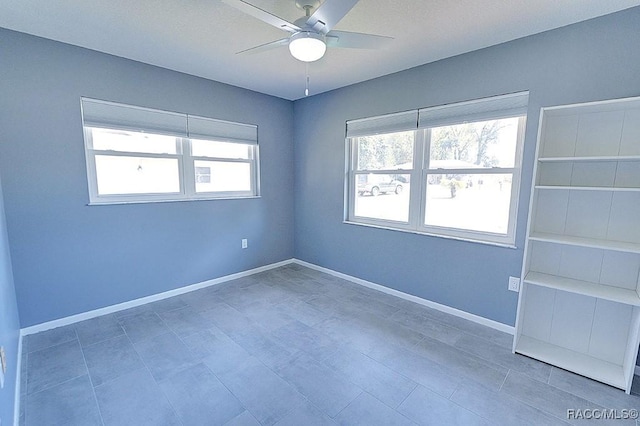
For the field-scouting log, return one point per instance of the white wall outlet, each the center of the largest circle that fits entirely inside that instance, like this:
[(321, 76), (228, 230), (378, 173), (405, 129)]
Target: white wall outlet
[(514, 284), (245, 243)]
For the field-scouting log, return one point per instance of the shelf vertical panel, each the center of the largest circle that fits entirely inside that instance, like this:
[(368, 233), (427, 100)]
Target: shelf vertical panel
[(572, 321), (588, 214), (537, 312), (580, 263), (550, 211), (545, 257), (610, 332), (554, 173), (628, 174), (594, 173), (599, 133), (561, 133), (620, 269), (624, 223), (630, 143)]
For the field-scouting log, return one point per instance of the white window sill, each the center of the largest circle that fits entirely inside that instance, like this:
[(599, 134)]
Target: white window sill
[(448, 237), (110, 202)]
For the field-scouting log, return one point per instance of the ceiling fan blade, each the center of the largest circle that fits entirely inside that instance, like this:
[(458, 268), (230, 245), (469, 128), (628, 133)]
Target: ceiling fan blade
[(356, 40), (265, 47), (329, 14), (262, 15)]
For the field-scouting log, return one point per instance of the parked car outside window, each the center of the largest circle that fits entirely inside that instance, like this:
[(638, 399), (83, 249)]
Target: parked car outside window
[(380, 184)]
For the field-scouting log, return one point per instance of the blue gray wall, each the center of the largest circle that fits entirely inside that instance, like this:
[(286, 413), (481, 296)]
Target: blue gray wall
[(70, 258), (593, 60), (9, 325)]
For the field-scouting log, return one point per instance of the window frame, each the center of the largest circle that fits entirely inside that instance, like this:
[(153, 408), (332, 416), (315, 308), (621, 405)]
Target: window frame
[(418, 188), (352, 190), (186, 162)]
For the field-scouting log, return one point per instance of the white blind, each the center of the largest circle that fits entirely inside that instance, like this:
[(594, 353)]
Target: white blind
[(111, 115), (390, 123), (208, 128), (493, 108)]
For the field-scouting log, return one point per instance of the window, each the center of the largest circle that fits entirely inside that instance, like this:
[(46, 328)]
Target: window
[(139, 155), (452, 170)]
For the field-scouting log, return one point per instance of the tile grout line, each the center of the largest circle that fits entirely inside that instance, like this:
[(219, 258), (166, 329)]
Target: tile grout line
[(346, 406), (219, 379), (465, 408), (149, 370), (93, 388), (542, 410), (208, 369), (408, 395), (575, 395), (504, 380), (27, 393), (395, 410)]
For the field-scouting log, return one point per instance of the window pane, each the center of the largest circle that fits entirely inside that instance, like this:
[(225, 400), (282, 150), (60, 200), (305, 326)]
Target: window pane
[(383, 196), (137, 175), (204, 148), (214, 176), (125, 141), (473, 202), (473, 145), (389, 151)]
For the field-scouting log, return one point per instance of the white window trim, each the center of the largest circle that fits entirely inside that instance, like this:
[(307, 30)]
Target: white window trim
[(419, 173), (186, 161)]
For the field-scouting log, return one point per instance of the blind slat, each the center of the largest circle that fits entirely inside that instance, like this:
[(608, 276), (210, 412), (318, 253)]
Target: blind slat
[(110, 115), (125, 117), (208, 128), (493, 108), (389, 123)]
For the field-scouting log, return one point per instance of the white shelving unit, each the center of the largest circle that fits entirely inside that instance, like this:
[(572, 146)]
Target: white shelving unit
[(579, 304)]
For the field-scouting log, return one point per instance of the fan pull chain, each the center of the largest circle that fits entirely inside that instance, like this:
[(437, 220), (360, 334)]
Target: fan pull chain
[(306, 87)]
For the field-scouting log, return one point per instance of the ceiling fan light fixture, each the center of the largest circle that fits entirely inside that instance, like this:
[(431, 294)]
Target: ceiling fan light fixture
[(307, 46)]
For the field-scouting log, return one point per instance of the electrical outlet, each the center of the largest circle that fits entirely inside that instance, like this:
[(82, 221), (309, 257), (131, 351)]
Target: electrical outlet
[(245, 243), (514, 284)]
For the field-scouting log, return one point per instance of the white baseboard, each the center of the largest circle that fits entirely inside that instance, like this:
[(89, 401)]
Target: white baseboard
[(443, 308), (175, 292), (144, 300), (18, 390)]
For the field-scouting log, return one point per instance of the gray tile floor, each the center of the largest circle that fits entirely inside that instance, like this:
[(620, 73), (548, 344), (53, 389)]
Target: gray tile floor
[(293, 346)]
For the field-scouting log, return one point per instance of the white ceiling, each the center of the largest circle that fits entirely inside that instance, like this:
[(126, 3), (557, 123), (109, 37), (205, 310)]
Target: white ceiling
[(200, 37)]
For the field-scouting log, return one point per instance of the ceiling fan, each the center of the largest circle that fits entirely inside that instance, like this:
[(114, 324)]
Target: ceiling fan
[(311, 34)]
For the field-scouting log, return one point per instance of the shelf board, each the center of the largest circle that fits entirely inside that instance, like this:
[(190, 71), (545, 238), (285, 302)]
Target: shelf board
[(614, 294), (592, 158), (586, 242), (588, 188), (577, 362)]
